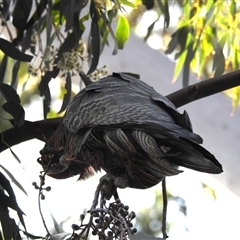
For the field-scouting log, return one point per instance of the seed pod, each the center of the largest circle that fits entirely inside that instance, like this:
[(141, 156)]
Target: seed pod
[(134, 230), (82, 216), (107, 219), (48, 188), (130, 224), (132, 215), (126, 207), (75, 227), (97, 220)]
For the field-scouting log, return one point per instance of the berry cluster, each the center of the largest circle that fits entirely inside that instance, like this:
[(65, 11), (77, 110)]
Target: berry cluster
[(41, 188), (108, 223)]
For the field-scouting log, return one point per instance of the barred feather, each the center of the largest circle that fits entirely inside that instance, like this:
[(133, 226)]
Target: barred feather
[(123, 126)]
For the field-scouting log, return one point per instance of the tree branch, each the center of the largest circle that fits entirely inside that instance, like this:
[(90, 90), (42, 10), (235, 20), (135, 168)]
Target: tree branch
[(42, 130), (205, 88)]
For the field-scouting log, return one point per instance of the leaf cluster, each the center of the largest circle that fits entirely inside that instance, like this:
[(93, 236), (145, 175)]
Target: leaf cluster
[(205, 40), (49, 36)]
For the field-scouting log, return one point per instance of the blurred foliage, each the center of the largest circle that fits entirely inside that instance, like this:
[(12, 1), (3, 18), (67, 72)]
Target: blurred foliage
[(206, 39), (149, 220)]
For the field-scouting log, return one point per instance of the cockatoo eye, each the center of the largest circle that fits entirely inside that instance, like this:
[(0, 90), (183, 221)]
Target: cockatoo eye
[(50, 155)]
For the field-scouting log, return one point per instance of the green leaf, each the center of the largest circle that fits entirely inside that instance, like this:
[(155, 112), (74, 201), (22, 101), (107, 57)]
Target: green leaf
[(15, 70), (236, 59), (87, 81), (218, 60), (149, 31), (3, 67), (67, 95), (69, 8), (13, 179), (46, 79), (15, 155), (17, 111), (182, 40), (186, 66), (49, 23), (94, 39), (21, 13), (128, 3), (166, 15), (10, 201), (122, 31), (15, 230), (190, 55), (4, 217), (108, 28), (180, 37), (9, 93), (233, 8), (163, 5), (173, 43), (149, 4), (46, 102), (10, 50), (179, 65), (37, 14)]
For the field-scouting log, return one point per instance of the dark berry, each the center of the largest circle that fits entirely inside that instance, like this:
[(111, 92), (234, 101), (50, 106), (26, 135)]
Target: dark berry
[(75, 227), (134, 230), (126, 207), (48, 188), (82, 216)]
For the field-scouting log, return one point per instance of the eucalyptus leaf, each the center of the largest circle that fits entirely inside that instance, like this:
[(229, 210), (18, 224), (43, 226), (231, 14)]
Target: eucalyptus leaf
[(49, 75), (3, 67), (149, 4), (9, 93), (46, 102), (4, 216), (17, 111), (37, 14), (218, 60), (10, 50), (122, 31), (94, 39), (67, 95)]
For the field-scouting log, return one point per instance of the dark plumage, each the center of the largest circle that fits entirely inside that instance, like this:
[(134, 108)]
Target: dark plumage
[(123, 126)]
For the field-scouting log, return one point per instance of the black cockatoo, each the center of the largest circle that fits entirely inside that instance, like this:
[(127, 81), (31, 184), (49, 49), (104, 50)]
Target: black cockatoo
[(123, 126)]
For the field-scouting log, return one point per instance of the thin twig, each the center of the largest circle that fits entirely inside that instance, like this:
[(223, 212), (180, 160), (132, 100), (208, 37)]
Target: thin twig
[(97, 192), (94, 205), (164, 217), (39, 204), (42, 182), (116, 196)]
